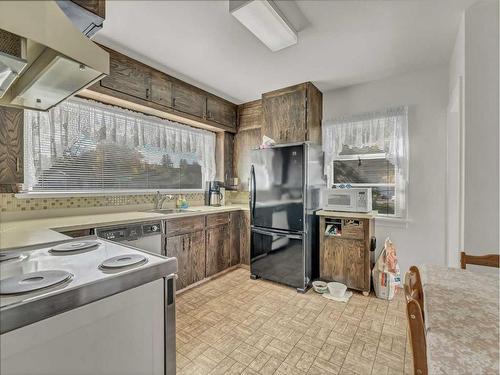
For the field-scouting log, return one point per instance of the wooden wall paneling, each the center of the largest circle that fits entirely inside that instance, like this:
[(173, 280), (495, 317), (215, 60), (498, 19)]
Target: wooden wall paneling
[(314, 113), (11, 149), (250, 115), (197, 256), (228, 157), (284, 114), (244, 141), (235, 233)]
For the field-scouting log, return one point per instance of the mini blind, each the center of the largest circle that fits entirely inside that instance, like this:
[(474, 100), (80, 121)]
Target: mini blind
[(85, 146)]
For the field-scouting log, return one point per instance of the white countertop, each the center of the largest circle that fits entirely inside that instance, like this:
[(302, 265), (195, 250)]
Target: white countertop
[(39, 231), (357, 215)]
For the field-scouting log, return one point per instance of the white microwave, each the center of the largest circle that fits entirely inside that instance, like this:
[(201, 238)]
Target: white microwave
[(350, 199)]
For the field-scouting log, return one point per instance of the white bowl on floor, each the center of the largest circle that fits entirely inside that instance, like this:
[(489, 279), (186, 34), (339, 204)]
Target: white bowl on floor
[(320, 286), (337, 290)]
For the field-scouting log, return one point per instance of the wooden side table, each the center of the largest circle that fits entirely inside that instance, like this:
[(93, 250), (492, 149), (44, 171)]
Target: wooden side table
[(344, 248)]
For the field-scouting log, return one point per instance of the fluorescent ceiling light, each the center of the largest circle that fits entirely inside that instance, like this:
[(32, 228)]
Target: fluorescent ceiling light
[(267, 23)]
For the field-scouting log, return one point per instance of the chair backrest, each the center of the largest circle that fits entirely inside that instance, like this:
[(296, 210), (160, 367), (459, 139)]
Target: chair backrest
[(414, 311), (413, 286), (489, 260), (417, 337)]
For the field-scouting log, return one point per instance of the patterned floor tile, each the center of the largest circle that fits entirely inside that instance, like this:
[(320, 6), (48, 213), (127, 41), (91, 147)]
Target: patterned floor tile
[(234, 325)]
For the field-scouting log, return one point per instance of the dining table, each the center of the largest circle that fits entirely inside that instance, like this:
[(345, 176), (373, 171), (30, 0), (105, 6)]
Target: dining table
[(461, 315)]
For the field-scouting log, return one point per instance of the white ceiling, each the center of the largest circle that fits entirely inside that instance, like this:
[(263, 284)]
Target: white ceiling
[(343, 43)]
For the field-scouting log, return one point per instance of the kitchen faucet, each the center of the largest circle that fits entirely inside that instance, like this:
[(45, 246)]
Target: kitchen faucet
[(159, 200)]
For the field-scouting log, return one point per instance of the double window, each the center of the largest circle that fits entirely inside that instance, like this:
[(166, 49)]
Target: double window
[(88, 147), (371, 150)]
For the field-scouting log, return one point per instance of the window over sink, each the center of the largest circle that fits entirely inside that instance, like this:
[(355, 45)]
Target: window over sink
[(371, 150), (89, 147)]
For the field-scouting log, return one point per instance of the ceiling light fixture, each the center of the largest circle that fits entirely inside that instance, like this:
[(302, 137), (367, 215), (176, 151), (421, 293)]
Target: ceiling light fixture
[(266, 22)]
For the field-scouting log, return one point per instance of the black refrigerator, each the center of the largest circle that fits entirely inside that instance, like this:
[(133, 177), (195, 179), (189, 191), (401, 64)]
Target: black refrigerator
[(285, 191)]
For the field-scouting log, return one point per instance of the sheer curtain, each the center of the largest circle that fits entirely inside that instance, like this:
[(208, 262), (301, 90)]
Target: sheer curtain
[(387, 130), (133, 143)]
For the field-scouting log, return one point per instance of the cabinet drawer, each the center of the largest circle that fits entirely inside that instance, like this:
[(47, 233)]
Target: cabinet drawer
[(183, 225), (217, 219), (353, 229)]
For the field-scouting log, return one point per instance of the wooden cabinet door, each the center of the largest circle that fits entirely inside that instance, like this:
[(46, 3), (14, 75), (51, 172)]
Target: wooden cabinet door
[(196, 257), (220, 111), (178, 248), (354, 263), (218, 257), (127, 76), (188, 99), (332, 260), (245, 237), (161, 89), (234, 235), (11, 148), (285, 114)]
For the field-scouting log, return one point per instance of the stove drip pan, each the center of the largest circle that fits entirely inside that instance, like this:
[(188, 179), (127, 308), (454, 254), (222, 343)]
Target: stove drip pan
[(29, 282), (75, 246), (10, 255), (121, 261)]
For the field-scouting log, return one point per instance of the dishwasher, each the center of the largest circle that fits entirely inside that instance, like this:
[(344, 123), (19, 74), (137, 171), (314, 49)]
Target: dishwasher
[(143, 236)]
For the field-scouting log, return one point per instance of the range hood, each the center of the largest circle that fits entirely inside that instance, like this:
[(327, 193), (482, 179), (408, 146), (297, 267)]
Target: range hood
[(44, 58)]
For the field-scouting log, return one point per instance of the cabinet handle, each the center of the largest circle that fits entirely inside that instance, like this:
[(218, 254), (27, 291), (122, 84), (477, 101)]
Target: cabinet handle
[(18, 164), (147, 93), (173, 102)]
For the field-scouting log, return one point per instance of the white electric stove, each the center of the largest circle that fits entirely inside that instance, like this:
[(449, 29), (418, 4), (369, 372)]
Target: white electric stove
[(112, 304)]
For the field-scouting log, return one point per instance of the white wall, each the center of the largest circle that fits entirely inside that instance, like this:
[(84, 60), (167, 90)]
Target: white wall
[(475, 59), (481, 204), (425, 92)]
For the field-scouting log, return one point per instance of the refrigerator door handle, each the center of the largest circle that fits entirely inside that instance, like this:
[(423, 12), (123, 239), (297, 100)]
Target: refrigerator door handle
[(254, 187), (276, 233)]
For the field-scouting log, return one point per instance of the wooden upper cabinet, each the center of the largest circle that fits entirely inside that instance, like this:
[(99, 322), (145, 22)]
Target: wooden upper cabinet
[(161, 89), (293, 114), (97, 7), (127, 76), (11, 149), (221, 111), (188, 99), (285, 114)]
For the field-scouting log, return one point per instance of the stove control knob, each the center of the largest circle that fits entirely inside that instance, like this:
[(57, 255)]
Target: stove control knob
[(154, 228)]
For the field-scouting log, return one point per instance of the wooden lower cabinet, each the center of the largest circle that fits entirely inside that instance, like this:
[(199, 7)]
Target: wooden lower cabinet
[(343, 260), (345, 257), (189, 249), (218, 255), (234, 235)]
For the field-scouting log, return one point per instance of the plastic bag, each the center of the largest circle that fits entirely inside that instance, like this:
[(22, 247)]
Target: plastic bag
[(386, 274)]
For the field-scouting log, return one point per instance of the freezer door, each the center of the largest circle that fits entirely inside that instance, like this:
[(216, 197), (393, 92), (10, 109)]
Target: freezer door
[(277, 188), (278, 257)]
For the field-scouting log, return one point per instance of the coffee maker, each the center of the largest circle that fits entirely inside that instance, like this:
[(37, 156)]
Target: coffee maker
[(215, 193)]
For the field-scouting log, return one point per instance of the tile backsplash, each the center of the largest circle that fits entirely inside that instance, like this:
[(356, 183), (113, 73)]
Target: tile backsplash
[(9, 202)]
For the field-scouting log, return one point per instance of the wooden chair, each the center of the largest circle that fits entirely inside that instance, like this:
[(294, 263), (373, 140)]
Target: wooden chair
[(414, 312), (489, 260), (413, 286)]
